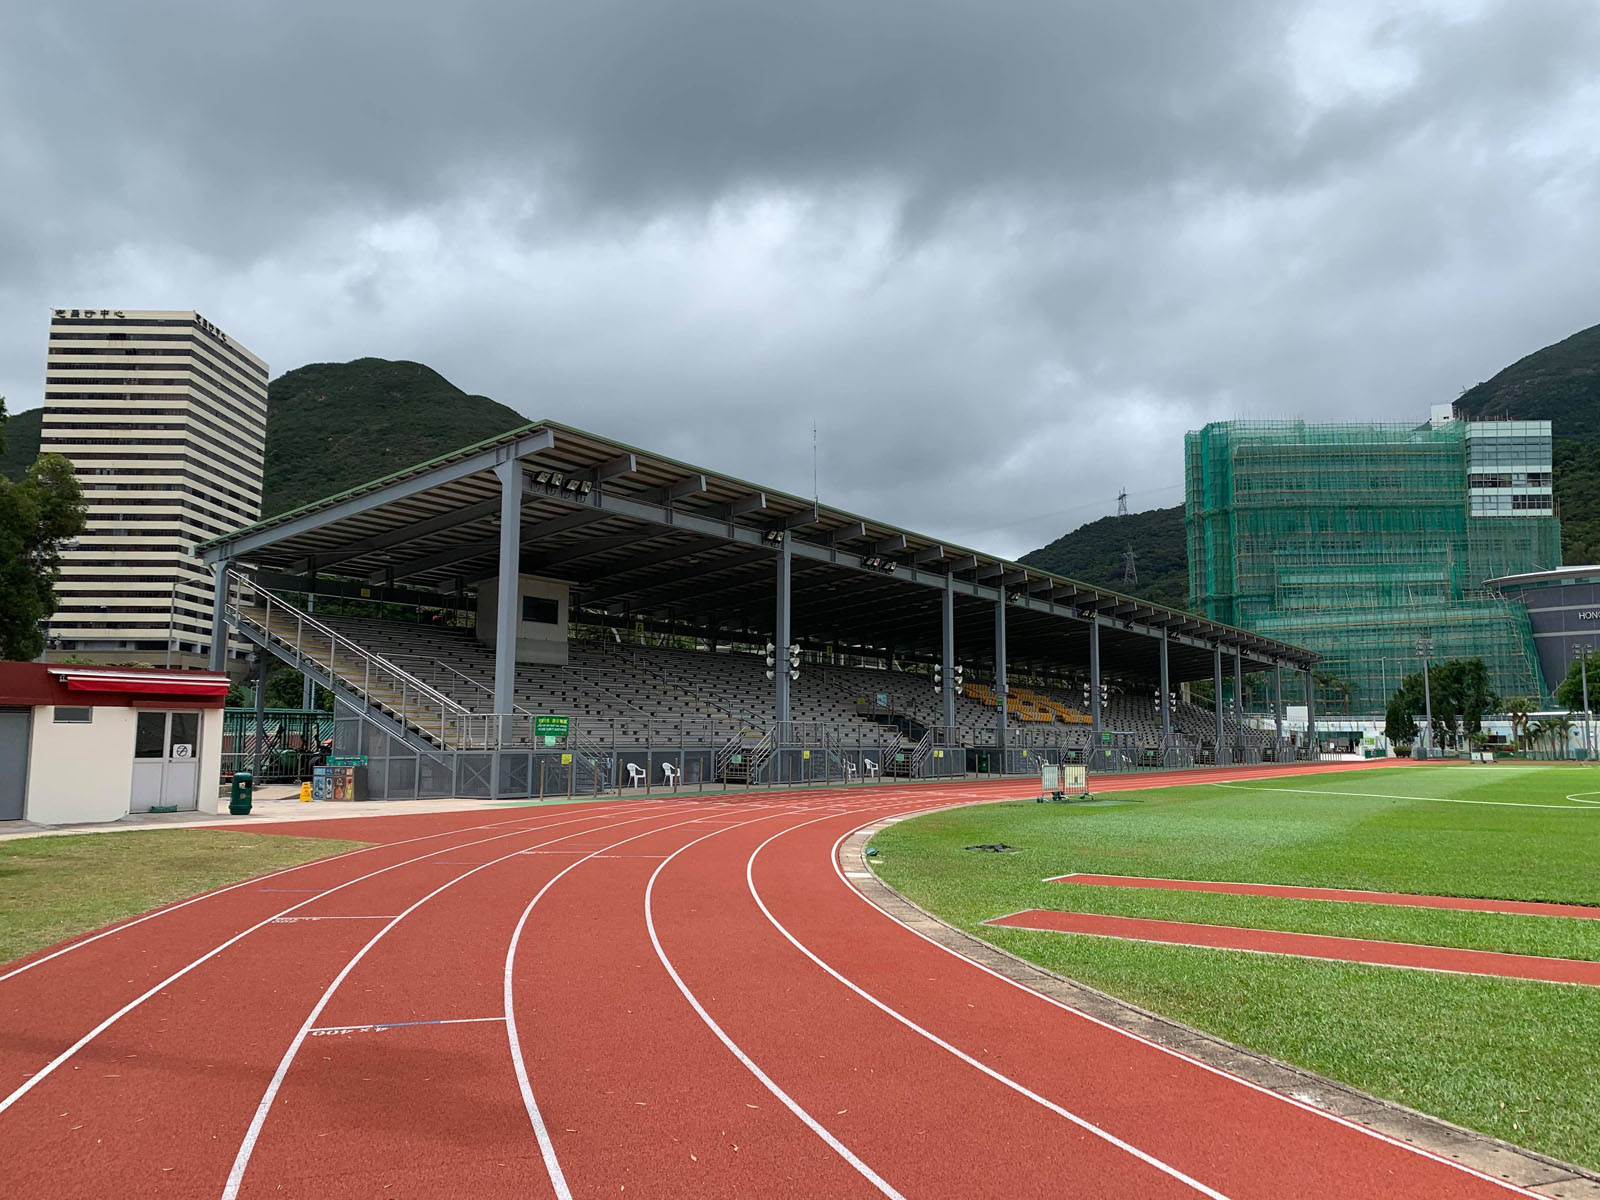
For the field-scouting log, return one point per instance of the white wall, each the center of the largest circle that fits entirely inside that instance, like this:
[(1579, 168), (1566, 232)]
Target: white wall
[(536, 642), (211, 798), (82, 772)]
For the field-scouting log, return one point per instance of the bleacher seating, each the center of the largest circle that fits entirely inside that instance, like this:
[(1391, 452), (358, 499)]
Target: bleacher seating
[(631, 694)]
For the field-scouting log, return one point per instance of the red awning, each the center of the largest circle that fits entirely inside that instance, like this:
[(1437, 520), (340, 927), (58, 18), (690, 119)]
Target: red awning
[(140, 683)]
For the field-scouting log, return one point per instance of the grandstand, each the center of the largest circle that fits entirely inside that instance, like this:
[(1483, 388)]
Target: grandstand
[(690, 627)]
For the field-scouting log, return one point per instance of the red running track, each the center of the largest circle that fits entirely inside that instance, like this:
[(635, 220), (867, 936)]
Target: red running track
[(1528, 908), (1310, 945), (652, 997)]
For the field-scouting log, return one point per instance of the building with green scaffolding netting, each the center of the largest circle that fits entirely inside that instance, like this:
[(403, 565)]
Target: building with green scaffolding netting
[(1354, 540)]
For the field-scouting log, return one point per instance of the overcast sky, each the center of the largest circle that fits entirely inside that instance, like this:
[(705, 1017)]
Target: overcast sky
[(1003, 253)]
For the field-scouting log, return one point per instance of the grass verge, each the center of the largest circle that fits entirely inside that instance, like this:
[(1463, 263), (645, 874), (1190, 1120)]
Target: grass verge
[(1511, 1058), (53, 888)]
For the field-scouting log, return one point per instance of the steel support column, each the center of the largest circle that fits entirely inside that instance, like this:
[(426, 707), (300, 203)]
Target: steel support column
[(508, 574), (1238, 692), (308, 690), (219, 616), (1094, 684), (781, 638), (1216, 703), (1277, 699), (947, 653), (1000, 685), (1166, 697), (1311, 715), (261, 712)]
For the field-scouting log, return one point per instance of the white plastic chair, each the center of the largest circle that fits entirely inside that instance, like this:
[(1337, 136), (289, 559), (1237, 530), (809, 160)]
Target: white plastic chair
[(870, 767), (850, 770), (671, 772), (636, 775)]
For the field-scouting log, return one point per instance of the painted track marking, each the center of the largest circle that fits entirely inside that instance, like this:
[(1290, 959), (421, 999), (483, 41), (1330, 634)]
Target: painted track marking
[(766, 1080), (247, 1145), (1392, 796), (547, 1150), (49, 1069), (243, 883), (1081, 1122), (1293, 1101), (328, 1030)]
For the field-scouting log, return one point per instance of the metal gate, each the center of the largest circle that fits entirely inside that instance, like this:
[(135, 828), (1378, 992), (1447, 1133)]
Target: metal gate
[(14, 729)]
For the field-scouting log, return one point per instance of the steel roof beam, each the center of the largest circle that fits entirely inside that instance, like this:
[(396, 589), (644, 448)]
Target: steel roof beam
[(530, 534), (739, 505), (800, 520), (581, 550), (327, 512), (408, 533)]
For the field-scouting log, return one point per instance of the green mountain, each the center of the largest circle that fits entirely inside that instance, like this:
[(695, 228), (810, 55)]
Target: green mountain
[(1560, 384), (1096, 553), (21, 436), (331, 426)]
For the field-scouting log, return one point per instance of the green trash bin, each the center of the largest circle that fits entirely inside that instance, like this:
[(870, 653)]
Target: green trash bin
[(239, 798)]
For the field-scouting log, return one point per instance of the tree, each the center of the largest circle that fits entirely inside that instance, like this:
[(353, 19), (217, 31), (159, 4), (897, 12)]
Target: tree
[(286, 688), (37, 514), (1558, 728), (1460, 687), (1518, 708), (1570, 694)]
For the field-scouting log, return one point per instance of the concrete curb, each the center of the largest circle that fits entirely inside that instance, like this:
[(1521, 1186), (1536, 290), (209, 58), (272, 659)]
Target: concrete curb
[(1517, 1165)]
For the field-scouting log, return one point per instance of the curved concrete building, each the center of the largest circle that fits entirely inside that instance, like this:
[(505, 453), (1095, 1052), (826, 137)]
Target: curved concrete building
[(1564, 609)]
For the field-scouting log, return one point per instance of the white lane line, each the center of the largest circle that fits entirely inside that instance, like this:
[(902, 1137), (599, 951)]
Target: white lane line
[(1291, 1100), (766, 1080), (330, 1030), (547, 1149), (296, 920), (1573, 796), (1239, 787), (241, 1161), (318, 862), (1081, 1122), (50, 1068)]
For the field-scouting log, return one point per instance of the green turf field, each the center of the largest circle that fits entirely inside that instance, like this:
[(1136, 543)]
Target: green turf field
[(1516, 1059), (54, 887)]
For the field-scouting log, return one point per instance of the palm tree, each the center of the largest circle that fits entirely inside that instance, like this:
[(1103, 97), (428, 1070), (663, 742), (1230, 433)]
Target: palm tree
[(1518, 708), (1559, 728), (1535, 732)]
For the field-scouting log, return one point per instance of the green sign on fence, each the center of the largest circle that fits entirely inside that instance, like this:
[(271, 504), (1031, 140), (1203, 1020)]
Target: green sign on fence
[(348, 760), (550, 726)]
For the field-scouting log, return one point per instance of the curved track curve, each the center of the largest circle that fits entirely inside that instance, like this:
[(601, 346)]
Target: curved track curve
[(652, 997)]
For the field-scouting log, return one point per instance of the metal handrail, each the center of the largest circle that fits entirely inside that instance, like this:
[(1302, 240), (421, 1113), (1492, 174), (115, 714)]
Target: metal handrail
[(304, 619), (450, 713)]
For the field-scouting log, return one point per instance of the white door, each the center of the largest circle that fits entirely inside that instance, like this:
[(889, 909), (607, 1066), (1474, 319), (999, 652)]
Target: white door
[(166, 760)]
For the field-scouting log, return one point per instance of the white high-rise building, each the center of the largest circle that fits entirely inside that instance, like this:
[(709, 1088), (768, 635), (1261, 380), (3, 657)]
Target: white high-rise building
[(164, 419)]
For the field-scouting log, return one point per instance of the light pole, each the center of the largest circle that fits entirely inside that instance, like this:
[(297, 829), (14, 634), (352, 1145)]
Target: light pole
[(1424, 649), (1582, 655)]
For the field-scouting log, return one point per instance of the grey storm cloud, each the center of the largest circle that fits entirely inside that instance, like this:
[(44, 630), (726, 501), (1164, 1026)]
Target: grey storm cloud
[(999, 255)]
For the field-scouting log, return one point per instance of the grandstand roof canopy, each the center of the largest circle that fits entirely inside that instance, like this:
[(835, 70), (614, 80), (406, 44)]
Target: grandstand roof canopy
[(658, 540)]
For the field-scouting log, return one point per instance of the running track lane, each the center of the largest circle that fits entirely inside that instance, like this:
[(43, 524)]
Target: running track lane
[(1310, 945), (163, 1097), (1242, 1140), (1527, 908), (209, 1111), (49, 1000)]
